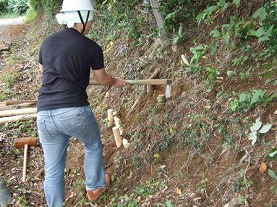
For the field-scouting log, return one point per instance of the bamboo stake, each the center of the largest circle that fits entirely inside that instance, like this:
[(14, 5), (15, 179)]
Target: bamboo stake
[(110, 118), (117, 137), (118, 124)]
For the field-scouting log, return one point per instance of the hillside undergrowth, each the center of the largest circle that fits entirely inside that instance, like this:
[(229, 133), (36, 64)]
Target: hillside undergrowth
[(195, 149)]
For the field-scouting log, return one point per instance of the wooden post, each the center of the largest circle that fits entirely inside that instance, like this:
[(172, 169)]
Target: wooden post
[(117, 136)]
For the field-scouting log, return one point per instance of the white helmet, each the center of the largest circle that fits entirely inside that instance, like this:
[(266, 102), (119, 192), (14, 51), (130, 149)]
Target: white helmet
[(76, 5)]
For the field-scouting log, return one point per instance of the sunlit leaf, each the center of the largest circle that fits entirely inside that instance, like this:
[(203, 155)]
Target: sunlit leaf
[(200, 17), (273, 152), (253, 137), (244, 97), (257, 125), (259, 32), (215, 33), (265, 128), (236, 2), (256, 96), (168, 203), (210, 9), (263, 38), (260, 13), (272, 174)]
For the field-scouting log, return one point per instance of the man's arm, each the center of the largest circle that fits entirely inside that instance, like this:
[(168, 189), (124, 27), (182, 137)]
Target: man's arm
[(104, 78)]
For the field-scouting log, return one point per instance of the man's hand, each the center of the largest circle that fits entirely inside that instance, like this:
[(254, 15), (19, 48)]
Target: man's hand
[(119, 82)]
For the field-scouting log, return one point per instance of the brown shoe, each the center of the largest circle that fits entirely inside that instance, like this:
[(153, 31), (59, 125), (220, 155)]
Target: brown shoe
[(93, 195)]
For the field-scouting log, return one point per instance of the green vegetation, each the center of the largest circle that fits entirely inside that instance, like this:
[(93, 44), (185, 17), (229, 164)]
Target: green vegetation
[(15, 7)]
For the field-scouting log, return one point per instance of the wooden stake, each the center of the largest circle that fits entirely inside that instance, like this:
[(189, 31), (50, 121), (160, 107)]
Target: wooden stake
[(25, 162), (110, 118), (118, 124), (117, 137), (150, 89)]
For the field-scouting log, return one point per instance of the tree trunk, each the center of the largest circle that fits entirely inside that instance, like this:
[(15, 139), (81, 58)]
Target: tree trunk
[(159, 18)]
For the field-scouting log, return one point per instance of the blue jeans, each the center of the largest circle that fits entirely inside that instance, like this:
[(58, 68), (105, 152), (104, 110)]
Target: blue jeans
[(55, 127)]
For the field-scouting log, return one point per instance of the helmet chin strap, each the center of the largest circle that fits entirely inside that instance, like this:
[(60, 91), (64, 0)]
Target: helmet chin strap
[(84, 23)]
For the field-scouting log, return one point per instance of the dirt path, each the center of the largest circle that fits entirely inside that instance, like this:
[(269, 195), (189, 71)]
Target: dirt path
[(5, 38)]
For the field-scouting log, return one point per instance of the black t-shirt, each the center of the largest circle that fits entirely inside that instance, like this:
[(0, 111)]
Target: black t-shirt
[(67, 57)]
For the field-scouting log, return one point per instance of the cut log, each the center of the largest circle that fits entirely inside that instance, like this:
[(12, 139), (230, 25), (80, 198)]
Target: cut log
[(4, 120), (14, 112), (4, 107)]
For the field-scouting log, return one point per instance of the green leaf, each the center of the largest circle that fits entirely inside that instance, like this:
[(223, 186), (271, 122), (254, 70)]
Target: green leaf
[(244, 97), (168, 204), (230, 73), (260, 13), (213, 49), (253, 137), (272, 174), (256, 96), (211, 9), (200, 17), (265, 128), (257, 125), (215, 33), (259, 32), (199, 47), (266, 35), (263, 38), (273, 152), (236, 2)]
